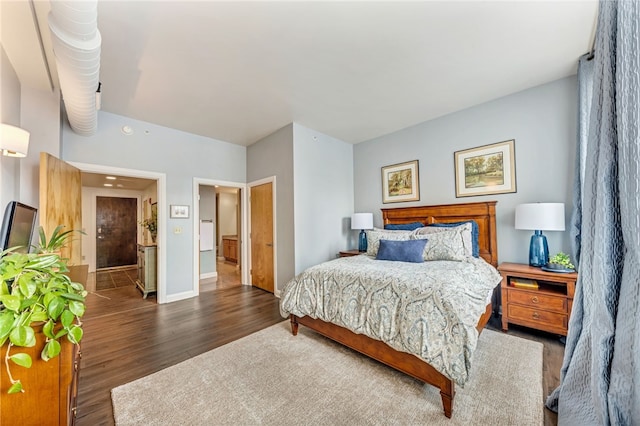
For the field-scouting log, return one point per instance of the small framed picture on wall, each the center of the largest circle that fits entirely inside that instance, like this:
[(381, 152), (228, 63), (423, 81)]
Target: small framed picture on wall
[(400, 182), (179, 212)]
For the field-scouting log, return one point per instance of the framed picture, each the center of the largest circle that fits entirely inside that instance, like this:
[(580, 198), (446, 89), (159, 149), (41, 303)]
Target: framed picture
[(179, 212), (488, 169), (400, 182)]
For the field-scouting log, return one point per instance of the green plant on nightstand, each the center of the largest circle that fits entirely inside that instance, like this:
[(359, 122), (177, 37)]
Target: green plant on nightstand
[(560, 261)]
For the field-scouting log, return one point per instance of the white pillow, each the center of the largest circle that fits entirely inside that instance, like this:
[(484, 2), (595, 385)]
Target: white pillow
[(466, 234), (374, 236), (446, 245)]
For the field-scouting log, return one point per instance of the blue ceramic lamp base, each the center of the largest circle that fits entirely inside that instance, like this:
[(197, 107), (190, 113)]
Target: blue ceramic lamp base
[(362, 241), (538, 250)]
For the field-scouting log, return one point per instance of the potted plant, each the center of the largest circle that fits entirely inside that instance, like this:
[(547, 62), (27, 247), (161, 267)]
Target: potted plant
[(561, 261), (151, 225), (38, 300)]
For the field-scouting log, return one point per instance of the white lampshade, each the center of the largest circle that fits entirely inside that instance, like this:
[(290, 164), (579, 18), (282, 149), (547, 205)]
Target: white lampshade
[(540, 216), (362, 221), (14, 141)]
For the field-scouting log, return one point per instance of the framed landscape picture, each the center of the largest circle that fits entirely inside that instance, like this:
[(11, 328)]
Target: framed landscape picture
[(488, 169), (400, 182)]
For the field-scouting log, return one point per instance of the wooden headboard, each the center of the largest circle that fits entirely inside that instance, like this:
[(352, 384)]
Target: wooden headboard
[(484, 213)]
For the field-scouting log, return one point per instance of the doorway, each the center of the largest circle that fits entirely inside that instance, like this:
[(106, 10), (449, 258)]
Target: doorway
[(220, 226), (121, 186)]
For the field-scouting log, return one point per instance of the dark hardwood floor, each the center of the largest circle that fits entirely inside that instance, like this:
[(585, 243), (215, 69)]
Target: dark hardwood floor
[(127, 337)]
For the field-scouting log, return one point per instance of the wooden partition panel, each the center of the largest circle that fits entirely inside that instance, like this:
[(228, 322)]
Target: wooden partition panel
[(61, 202)]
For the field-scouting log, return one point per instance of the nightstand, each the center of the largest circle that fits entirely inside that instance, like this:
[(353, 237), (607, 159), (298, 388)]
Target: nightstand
[(546, 307), (349, 253)]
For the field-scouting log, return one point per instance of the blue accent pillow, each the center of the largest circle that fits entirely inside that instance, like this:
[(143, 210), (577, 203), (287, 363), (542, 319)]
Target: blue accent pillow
[(402, 251), (403, 226), (474, 233)]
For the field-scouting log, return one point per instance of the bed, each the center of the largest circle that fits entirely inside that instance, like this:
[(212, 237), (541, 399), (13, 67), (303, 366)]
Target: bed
[(483, 213)]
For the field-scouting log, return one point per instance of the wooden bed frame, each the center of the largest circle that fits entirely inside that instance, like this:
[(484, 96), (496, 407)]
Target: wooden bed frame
[(484, 213)]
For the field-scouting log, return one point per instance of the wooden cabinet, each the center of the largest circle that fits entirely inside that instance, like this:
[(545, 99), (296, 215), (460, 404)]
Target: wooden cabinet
[(50, 387), (230, 248), (546, 307), (349, 253), (147, 260)]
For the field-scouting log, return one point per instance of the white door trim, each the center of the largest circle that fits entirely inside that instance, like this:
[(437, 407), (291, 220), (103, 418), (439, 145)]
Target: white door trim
[(161, 178)]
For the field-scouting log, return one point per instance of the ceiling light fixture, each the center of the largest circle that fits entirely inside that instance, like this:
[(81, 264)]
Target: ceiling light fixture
[(108, 184), (110, 177), (14, 141), (127, 130)]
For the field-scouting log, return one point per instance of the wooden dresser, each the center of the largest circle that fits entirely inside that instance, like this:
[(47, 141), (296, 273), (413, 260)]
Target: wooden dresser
[(50, 387), (546, 307)]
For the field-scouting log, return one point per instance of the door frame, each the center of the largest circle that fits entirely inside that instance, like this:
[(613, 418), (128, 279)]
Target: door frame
[(161, 178), (272, 180), (196, 228)]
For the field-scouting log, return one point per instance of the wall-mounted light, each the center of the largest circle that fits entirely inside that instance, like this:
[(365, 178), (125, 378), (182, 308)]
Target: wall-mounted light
[(14, 141)]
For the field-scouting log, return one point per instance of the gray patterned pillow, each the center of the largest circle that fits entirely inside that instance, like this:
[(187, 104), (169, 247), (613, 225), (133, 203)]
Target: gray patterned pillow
[(374, 236), (467, 239), (447, 245)]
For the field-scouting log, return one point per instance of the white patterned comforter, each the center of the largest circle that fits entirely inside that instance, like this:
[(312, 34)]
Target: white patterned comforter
[(428, 309)]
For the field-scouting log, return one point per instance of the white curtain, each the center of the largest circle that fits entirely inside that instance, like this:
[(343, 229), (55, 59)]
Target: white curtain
[(600, 377)]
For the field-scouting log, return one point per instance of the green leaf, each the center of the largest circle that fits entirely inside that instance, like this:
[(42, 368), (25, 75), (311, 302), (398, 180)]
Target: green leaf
[(77, 308), (23, 335), (47, 329), (26, 285), (75, 334), (67, 318), (73, 296), (10, 302), (23, 360), (55, 307), (15, 388), (51, 350), (6, 321)]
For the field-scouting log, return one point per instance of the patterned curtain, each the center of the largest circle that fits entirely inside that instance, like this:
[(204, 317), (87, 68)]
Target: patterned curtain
[(600, 377)]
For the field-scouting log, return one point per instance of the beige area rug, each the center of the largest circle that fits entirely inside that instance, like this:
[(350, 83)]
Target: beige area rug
[(274, 378)]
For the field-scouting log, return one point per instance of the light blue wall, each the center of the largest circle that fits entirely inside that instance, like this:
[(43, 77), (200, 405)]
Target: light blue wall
[(181, 156), (9, 114), (323, 196), (273, 156), (543, 122)]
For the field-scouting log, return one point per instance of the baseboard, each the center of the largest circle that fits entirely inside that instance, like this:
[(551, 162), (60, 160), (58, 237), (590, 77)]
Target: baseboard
[(180, 296), (206, 275)]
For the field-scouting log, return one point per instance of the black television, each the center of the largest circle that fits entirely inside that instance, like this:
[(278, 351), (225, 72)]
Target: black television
[(18, 226)]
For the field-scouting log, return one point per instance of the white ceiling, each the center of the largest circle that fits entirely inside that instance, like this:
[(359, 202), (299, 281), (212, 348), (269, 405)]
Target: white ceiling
[(238, 71)]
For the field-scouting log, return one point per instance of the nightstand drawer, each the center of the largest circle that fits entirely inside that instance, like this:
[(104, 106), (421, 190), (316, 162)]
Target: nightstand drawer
[(537, 316), (538, 300)]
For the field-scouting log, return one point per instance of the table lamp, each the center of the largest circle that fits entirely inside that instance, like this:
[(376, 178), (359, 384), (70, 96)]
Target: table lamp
[(540, 217), (362, 221)]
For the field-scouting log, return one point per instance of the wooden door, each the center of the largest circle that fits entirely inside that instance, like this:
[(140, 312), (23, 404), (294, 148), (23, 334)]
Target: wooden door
[(116, 231), (261, 205), (61, 202)]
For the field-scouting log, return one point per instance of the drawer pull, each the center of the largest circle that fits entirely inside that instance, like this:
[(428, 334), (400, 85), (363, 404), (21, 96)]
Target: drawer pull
[(535, 316), (534, 299)]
